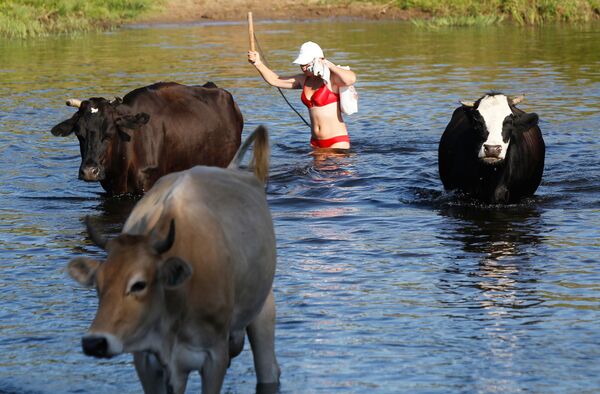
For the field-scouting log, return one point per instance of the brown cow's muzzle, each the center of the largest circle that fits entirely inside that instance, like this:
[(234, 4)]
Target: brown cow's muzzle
[(101, 345), (95, 346), (91, 173)]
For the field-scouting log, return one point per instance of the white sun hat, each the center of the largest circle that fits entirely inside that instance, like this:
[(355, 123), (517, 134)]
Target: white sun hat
[(308, 52)]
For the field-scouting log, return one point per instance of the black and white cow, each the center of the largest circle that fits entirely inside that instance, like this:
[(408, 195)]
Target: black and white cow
[(492, 150)]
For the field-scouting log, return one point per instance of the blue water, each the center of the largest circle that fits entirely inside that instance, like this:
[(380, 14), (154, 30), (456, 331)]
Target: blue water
[(385, 283)]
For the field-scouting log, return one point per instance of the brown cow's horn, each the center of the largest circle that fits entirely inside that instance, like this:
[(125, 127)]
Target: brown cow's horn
[(516, 100), (95, 236), (164, 245), (467, 103), (74, 103)]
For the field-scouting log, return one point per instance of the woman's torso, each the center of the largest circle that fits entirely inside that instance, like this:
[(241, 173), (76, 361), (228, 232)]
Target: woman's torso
[(322, 101)]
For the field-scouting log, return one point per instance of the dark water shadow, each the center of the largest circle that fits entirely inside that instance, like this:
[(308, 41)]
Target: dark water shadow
[(499, 246), (495, 231), (108, 217), (9, 388)]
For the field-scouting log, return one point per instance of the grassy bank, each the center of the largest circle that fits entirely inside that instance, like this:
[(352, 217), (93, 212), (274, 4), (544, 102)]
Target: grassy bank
[(30, 18), (531, 12)]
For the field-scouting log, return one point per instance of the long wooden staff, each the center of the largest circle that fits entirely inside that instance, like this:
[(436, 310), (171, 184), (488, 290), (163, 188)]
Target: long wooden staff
[(251, 37), (251, 31)]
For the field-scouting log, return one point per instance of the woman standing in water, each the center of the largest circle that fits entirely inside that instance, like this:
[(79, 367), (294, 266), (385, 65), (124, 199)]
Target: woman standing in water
[(320, 93)]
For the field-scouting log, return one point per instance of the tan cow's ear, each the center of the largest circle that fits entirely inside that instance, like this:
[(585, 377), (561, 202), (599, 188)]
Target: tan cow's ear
[(174, 272), (83, 270)]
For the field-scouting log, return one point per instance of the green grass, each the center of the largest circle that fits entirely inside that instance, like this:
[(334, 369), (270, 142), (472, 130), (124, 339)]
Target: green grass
[(479, 12), (31, 18), (457, 21)]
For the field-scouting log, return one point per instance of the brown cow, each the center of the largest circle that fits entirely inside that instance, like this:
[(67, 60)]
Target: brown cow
[(155, 130), (190, 274)]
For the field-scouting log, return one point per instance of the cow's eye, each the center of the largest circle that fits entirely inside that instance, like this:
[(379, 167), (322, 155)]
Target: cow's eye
[(137, 287)]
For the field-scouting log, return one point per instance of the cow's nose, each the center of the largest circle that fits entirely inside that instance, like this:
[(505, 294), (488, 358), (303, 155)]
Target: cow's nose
[(492, 150), (95, 346), (89, 173)]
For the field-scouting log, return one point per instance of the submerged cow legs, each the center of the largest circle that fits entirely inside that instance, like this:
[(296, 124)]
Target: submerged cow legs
[(261, 333)]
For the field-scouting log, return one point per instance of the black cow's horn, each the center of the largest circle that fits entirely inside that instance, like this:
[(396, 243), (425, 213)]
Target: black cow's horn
[(95, 236), (516, 100), (74, 103), (161, 246), (467, 103)]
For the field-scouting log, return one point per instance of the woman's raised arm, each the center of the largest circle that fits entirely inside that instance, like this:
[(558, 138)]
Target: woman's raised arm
[(345, 77), (270, 77)]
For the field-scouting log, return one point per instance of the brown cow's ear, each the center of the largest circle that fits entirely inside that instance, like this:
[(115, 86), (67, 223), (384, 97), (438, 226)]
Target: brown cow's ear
[(65, 128), (133, 122), (174, 272), (83, 270)]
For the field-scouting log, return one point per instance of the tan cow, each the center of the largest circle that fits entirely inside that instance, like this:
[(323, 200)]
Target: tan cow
[(188, 277)]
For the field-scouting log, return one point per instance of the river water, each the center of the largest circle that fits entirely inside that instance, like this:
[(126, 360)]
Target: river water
[(385, 283)]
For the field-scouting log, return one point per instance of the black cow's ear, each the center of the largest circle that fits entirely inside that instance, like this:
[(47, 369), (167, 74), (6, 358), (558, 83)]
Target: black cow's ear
[(123, 135), (524, 122), (133, 122), (528, 120), (174, 272), (65, 128)]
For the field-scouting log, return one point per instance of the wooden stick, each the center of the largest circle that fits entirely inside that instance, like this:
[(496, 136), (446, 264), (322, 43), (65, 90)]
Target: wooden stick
[(251, 31)]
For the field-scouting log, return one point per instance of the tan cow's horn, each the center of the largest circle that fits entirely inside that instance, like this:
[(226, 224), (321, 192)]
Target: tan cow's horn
[(163, 245), (74, 103), (516, 100), (95, 236), (467, 103)]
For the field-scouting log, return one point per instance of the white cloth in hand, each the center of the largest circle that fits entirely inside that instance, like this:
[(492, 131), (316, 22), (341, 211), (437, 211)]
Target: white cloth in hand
[(320, 69)]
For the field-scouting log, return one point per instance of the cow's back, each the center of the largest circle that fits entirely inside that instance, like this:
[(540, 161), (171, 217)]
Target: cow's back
[(188, 126), (223, 229)]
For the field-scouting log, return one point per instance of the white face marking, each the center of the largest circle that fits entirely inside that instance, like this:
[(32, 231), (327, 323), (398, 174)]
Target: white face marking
[(94, 110), (494, 109)]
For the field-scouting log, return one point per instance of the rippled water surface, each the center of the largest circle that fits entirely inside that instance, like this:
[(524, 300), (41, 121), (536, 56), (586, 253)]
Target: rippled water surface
[(385, 283)]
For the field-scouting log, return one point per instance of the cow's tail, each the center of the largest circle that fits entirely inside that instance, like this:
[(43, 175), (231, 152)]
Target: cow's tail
[(260, 154)]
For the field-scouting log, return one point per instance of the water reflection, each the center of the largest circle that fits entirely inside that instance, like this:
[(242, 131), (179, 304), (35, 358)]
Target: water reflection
[(496, 233), (491, 287), (334, 162), (500, 245)]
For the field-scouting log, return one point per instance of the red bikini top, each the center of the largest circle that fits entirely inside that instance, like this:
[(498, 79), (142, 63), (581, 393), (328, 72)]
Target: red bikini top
[(320, 97)]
